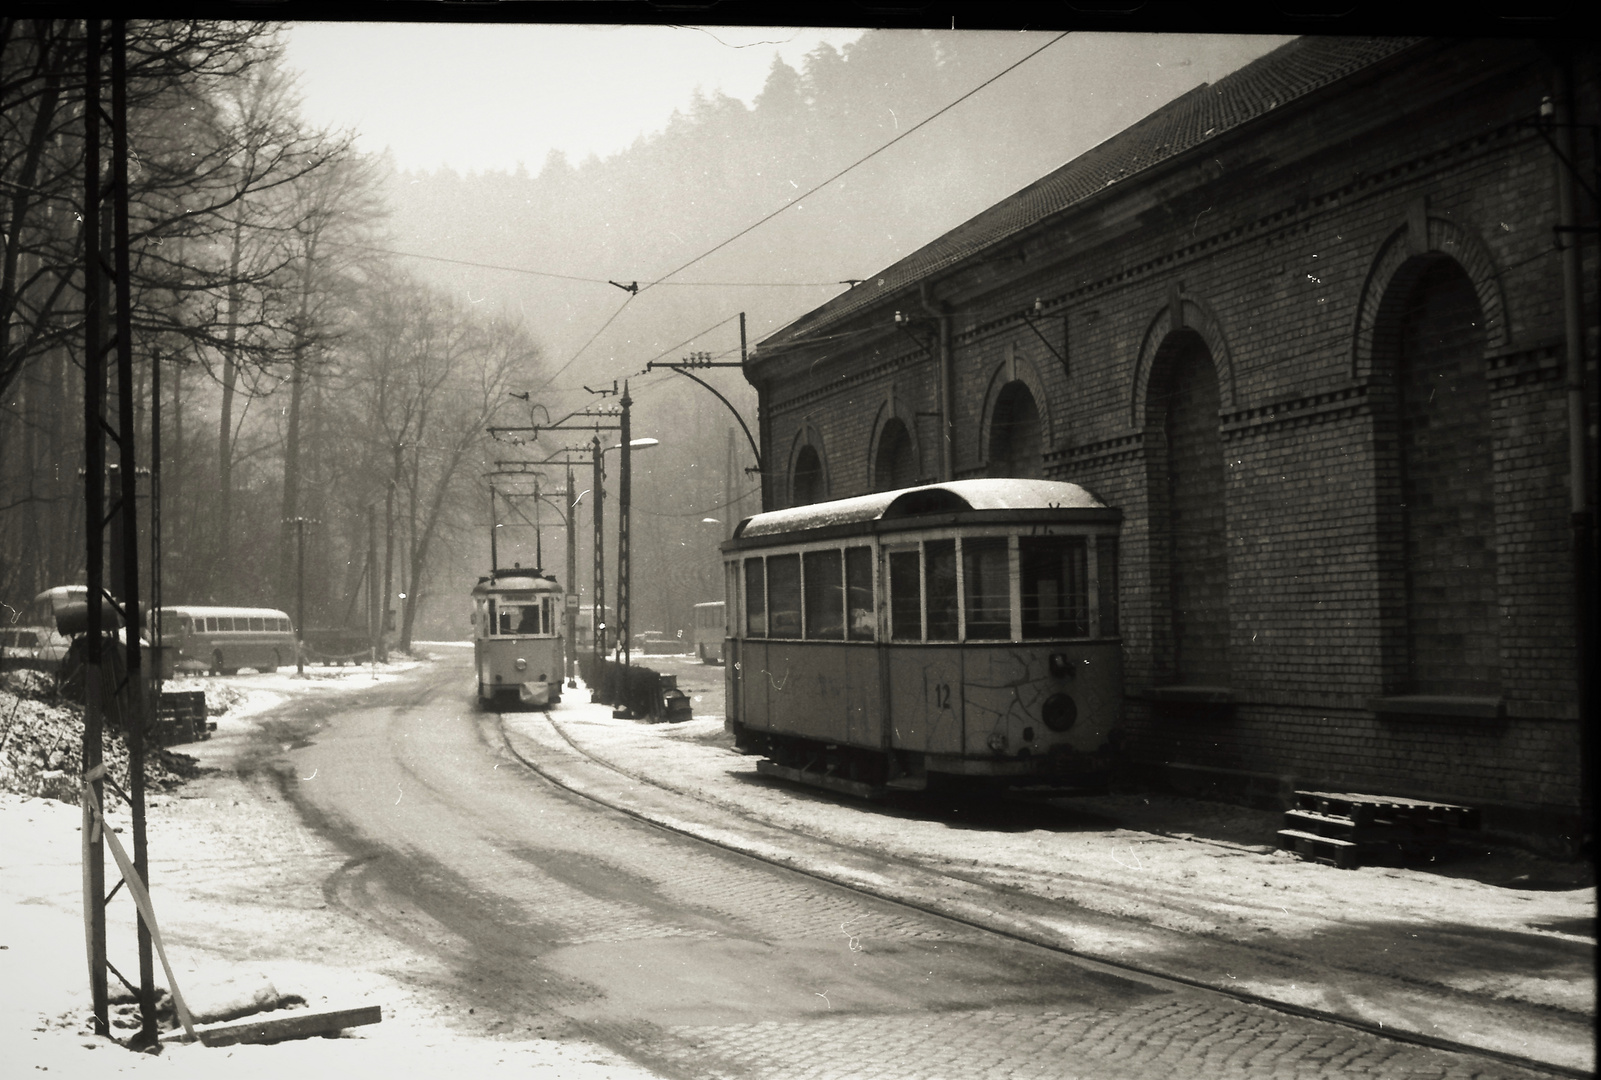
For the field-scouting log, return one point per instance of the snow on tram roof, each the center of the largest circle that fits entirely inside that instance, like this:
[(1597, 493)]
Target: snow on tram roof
[(955, 496)]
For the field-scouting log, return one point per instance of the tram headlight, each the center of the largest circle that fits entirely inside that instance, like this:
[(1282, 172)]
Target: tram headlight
[(521, 664), (1059, 712)]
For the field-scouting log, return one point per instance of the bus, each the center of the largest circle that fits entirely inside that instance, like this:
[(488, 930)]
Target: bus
[(222, 640), (710, 629)]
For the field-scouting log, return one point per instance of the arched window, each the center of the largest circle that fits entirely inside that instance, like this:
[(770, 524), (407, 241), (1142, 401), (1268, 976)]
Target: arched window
[(1014, 448), (806, 485), (1188, 513), (1446, 517), (895, 465)]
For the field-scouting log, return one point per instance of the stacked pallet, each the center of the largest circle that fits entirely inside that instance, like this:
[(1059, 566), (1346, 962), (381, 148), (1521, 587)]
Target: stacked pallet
[(181, 718), (1347, 830)]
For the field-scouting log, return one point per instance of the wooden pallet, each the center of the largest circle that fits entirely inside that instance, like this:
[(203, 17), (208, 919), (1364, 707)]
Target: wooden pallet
[(1390, 809), (1345, 854), (1358, 831), (1347, 830)]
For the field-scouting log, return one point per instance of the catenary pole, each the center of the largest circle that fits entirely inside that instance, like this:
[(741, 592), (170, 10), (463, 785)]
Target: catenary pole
[(94, 391)]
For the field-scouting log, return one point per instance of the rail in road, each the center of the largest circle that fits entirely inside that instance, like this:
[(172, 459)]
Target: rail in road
[(541, 743)]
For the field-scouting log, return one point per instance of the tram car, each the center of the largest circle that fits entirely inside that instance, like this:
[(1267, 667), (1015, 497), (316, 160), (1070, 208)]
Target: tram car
[(949, 634), (518, 648)]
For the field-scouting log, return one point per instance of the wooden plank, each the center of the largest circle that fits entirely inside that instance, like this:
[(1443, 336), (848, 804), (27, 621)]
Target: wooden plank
[(1377, 830), (291, 1024)]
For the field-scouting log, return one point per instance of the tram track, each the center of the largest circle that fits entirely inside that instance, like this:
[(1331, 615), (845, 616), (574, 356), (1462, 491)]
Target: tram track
[(973, 920)]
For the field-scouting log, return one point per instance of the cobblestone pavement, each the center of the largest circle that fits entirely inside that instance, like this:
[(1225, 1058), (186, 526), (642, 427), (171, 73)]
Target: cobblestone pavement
[(1166, 1037), (554, 916)]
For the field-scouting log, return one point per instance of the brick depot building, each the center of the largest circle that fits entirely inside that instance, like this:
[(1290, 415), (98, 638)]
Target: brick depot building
[(1306, 328)]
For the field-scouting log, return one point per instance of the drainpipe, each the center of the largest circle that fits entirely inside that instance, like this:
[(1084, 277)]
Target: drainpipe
[(1583, 518), (947, 419)]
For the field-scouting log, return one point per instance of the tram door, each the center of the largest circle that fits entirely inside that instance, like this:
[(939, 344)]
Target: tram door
[(924, 676)]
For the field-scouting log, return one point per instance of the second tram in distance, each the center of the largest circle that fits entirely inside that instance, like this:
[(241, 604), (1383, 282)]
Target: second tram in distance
[(958, 630), (517, 642)]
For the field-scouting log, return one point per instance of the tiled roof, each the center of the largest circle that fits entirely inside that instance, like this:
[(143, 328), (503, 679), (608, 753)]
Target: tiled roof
[(1288, 72)]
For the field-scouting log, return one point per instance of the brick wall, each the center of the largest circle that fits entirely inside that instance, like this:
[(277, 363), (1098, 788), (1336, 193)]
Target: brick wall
[(1282, 250)]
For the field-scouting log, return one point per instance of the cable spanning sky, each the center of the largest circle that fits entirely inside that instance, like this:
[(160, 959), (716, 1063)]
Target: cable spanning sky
[(479, 97)]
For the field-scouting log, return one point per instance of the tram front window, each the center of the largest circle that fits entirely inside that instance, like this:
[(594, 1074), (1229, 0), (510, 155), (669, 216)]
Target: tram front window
[(518, 619), (986, 580)]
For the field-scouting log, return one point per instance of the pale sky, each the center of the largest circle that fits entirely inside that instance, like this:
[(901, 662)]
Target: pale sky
[(482, 96)]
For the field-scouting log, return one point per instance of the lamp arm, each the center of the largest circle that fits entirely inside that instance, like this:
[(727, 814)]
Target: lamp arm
[(743, 426)]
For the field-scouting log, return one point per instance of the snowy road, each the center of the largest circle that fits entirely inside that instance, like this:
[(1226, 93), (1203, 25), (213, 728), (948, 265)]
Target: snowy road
[(554, 916)]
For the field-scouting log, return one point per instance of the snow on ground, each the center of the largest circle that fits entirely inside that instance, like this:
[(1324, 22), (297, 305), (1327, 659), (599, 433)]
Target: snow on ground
[(1186, 865), (236, 880), (237, 883)]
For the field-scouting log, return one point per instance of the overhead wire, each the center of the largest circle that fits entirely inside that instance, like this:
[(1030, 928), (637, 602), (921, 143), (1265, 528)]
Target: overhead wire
[(859, 161), (803, 195)]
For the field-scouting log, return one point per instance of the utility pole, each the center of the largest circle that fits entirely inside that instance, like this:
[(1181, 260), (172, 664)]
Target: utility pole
[(624, 489), (389, 571), (372, 582), (597, 622), (494, 533), (571, 602), (106, 263), (94, 479), (300, 524)]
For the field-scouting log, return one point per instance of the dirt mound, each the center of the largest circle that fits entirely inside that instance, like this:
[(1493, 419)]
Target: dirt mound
[(41, 744)]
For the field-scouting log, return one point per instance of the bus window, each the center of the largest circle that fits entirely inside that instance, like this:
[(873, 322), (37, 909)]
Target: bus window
[(1056, 597), (1106, 592), (825, 596), (941, 556), (755, 599), (859, 593), (986, 580), (783, 595), (257, 623), (905, 597)]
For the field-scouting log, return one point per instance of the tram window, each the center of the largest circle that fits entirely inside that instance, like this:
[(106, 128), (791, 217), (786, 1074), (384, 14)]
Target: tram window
[(784, 596), (941, 555), (859, 593), (905, 597), (755, 599), (986, 580), (525, 617), (1106, 557), (1056, 594), (730, 598), (825, 596)]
